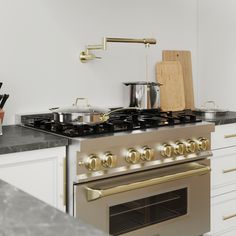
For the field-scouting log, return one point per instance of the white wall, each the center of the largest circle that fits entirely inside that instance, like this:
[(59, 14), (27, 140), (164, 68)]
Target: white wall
[(217, 52), (40, 42)]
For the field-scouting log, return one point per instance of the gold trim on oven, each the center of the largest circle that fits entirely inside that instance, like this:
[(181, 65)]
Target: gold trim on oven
[(93, 194)]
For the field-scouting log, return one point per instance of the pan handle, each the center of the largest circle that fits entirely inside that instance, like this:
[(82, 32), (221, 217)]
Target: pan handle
[(104, 117), (53, 108)]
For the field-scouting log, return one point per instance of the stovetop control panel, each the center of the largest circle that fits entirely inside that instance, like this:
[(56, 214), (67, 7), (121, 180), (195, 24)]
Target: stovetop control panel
[(171, 151), (115, 155)]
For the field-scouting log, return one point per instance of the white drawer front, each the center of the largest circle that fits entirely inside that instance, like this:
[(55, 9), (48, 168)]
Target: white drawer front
[(224, 136), (223, 165), (223, 212)]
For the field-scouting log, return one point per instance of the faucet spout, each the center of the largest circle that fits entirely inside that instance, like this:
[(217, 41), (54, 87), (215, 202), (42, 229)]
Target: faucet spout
[(87, 55), (130, 40)]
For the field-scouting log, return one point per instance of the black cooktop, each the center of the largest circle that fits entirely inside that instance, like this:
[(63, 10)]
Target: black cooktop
[(125, 120)]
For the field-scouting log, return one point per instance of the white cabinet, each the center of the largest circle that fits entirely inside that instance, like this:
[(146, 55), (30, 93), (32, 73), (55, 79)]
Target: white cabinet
[(40, 173), (224, 136), (223, 181), (223, 215)]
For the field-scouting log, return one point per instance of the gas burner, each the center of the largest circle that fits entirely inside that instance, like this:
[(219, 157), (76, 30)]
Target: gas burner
[(125, 120)]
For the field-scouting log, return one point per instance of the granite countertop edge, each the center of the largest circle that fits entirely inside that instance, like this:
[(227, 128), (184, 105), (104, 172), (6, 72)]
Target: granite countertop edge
[(17, 138)]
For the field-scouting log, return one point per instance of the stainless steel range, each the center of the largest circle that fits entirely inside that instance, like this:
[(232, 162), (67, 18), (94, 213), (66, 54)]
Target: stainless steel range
[(143, 173)]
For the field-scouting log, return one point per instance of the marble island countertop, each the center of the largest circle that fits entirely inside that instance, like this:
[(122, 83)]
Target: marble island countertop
[(23, 215)]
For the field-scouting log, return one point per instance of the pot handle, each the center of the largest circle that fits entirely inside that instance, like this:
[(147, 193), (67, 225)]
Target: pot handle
[(53, 108), (210, 105), (82, 101)]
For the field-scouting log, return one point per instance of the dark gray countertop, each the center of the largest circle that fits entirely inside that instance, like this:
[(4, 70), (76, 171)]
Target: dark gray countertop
[(228, 118), (18, 139), (24, 215)]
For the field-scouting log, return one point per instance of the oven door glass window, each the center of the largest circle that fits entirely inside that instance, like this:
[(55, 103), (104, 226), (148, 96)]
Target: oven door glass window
[(140, 213)]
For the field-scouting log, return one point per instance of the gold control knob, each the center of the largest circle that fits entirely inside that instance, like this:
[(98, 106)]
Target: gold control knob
[(166, 150), (93, 162), (109, 160), (147, 154), (132, 156), (203, 144), (179, 148), (191, 146)]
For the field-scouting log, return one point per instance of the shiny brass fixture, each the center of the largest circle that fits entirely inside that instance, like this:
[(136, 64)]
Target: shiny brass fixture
[(179, 148), (203, 144), (166, 150), (132, 156), (93, 162), (87, 55), (109, 160), (147, 154), (191, 146)]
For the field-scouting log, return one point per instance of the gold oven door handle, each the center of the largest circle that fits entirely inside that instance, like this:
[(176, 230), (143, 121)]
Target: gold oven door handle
[(93, 194)]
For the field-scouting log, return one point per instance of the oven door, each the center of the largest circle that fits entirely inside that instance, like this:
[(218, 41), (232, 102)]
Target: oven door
[(167, 201)]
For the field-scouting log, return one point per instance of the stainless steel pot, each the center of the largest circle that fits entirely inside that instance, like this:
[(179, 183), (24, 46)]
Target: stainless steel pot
[(144, 95), (80, 113)]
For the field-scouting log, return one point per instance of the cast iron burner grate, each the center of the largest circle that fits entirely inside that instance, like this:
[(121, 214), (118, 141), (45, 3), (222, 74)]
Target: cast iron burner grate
[(125, 120)]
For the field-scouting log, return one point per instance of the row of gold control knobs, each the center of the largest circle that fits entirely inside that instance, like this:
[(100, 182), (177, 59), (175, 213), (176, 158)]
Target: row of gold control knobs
[(133, 156), (182, 147), (109, 160)]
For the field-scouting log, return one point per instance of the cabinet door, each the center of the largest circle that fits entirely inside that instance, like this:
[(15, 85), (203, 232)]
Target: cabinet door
[(40, 173), (223, 214)]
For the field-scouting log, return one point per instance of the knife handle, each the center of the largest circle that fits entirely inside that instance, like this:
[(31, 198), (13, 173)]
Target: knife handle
[(4, 99)]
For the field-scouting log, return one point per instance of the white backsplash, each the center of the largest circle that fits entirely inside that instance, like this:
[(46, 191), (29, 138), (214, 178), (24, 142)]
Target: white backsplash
[(217, 52), (41, 41)]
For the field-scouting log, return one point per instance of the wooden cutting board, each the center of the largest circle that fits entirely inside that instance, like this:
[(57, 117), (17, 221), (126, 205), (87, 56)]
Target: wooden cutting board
[(184, 57), (170, 75)]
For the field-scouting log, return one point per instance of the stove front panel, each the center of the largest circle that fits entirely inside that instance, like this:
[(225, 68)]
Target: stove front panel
[(141, 150)]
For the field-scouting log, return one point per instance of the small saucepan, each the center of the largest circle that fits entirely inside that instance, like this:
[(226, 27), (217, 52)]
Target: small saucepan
[(210, 111)]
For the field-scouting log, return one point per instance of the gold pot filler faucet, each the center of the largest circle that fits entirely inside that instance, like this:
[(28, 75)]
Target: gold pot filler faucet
[(87, 55)]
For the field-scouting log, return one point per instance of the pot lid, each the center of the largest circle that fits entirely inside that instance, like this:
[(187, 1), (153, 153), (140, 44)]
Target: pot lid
[(76, 109), (142, 83), (81, 106)]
